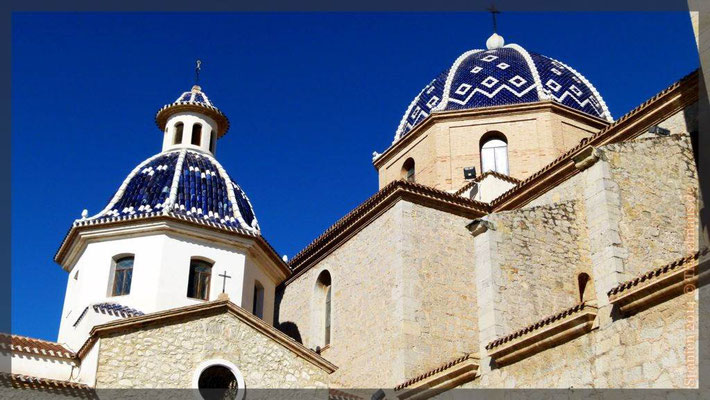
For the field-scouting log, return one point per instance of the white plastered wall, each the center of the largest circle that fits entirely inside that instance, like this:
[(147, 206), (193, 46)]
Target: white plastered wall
[(160, 277)]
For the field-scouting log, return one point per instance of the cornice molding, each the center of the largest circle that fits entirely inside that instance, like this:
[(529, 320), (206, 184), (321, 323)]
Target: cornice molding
[(80, 235)]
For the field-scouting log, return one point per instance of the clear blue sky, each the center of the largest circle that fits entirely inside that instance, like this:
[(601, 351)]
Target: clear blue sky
[(309, 96)]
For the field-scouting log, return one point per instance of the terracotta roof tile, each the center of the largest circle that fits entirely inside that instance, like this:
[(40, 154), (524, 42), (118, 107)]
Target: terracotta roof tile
[(657, 273), (535, 326), (361, 210), (434, 371), (33, 346), (482, 176), (70, 389)]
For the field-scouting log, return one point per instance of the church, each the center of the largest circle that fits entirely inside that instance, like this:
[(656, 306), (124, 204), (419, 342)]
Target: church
[(521, 237)]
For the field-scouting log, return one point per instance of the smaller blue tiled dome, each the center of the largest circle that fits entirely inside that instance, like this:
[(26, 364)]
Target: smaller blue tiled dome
[(194, 100), (184, 182), (503, 75)]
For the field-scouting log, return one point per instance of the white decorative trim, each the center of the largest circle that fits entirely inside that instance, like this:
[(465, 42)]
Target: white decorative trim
[(591, 87), (224, 363), (541, 95), (450, 77), (176, 182), (122, 188), (233, 199), (403, 122)]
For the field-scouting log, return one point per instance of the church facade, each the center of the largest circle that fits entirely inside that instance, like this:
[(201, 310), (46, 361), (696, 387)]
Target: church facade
[(521, 238)]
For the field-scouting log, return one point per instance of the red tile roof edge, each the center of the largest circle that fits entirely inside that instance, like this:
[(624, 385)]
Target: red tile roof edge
[(432, 372), (28, 345), (401, 185), (479, 178), (657, 272), (536, 325), (18, 381)]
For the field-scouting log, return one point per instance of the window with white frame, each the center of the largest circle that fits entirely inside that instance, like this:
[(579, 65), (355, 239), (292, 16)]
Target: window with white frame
[(494, 154)]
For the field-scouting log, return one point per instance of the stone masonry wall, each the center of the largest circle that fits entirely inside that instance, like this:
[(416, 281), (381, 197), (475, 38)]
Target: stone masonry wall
[(658, 188), (166, 356), (439, 319), (403, 297), (366, 299), (646, 350), (541, 250)]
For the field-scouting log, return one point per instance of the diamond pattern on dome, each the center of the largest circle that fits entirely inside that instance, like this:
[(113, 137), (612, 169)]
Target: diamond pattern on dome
[(491, 85), (583, 97), (423, 104), (201, 189), (503, 76)]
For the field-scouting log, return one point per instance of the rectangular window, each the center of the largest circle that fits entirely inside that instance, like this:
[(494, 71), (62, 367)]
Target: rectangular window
[(198, 285), (258, 301), (123, 273)]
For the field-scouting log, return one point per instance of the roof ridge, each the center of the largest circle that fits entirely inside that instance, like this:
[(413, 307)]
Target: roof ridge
[(479, 178), (390, 188)]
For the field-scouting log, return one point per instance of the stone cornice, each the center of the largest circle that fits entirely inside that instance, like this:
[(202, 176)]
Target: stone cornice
[(485, 112), (654, 110), (544, 334), (371, 208), (445, 377), (84, 232), (660, 284), (176, 315)]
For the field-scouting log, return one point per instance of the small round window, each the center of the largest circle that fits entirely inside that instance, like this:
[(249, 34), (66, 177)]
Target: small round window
[(219, 380)]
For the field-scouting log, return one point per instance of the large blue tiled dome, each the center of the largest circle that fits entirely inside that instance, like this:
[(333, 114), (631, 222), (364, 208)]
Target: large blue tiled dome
[(186, 182), (501, 76)]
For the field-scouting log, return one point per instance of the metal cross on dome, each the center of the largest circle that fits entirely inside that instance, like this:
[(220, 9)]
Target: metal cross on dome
[(224, 277), (493, 10)]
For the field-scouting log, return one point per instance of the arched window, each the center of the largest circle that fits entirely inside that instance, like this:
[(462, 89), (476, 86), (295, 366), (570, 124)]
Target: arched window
[(324, 307), (213, 140), (258, 301), (198, 284), (122, 275), (586, 287), (494, 153), (178, 133), (196, 134), (408, 170)]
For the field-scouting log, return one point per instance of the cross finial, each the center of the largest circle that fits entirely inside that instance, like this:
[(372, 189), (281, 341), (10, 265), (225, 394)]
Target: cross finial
[(224, 277), (197, 72), (493, 10)]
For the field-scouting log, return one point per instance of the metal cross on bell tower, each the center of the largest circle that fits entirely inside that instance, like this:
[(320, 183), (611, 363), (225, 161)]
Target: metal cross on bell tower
[(493, 10), (197, 72)]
